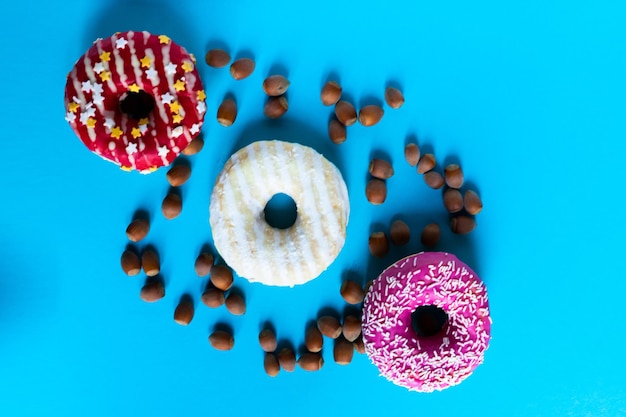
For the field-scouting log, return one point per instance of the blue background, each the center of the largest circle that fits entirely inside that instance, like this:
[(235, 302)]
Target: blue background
[(528, 97)]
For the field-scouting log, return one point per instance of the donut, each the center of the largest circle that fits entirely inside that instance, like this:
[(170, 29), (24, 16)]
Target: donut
[(272, 256), (135, 99), (426, 322)]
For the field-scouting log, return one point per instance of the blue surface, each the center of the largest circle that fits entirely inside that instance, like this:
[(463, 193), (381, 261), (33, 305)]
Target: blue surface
[(529, 98)]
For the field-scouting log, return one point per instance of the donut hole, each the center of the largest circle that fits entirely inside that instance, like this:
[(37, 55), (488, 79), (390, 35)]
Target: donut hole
[(428, 320), (137, 105), (280, 211)]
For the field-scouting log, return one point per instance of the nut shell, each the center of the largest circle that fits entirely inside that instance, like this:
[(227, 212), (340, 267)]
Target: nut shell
[(329, 326), (213, 297), (412, 154), (434, 179), (313, 339), (227, 112), (376, 191), (178, 175), (370, 115), (462, 224), (378, 244), (131, 264), (222, 340), (351, 327), (352, 292), (311, 361), (287, 359), (270, 364), (343, 351), (221, 277), (203, 264), (184, 312), (137, 230), (172, 206), (217, 58), (152, 291), (452, 200), (472, 202), (337, 131), (394, 97), (242, 68), (345, 112), (399, 233), (150, 262), (235, 304), (430, 235), (275, 85), (379, 168), (331, 93), (453, 175), (267, 340), (276, 107), (194, 147), (358, 344), (426, 163)]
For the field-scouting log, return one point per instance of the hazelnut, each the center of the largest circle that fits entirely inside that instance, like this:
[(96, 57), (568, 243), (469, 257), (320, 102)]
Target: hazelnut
[(337, 132), (399, 233), (331, 93), (453, 175), (329, 326), (434, 180), (370, 115), (462, 224), (275, 85), (472, 202), (150, 262), (131, 264), (412, 153), (359, 347), (311, 361), (194, 146), (352, 292), (378, 244), (287, 359), (376, 191), (152, 291), (270, 364), (345, 112), (276, 107), (222, 340), (351, 327), (213, 297), (178, 175), (235, 304), (221, 277), (184, 312), (267, 340), (426, 163), (394, 97), (313, 339), (343, 351), (137, 230), (203, 264), (217, 58), (242, 68), (452, 200), (430, 235), (172, 206), (379, 168), (227, 112)]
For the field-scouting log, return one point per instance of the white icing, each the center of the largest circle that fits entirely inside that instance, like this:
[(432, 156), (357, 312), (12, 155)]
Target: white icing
[(255, 250)]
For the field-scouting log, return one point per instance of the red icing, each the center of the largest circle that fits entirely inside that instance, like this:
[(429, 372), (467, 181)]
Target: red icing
[(93, 109)]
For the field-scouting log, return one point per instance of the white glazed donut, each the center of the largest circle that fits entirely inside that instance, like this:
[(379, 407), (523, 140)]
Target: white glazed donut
[(260, 252)]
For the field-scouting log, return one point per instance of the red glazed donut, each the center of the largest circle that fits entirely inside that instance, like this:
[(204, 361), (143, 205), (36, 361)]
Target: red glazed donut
[(135, 99)]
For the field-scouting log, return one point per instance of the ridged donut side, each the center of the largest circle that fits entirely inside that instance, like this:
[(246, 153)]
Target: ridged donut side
[(284, 257)]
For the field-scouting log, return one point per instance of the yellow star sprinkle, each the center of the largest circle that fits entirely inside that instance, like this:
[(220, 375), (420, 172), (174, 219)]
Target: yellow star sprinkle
[(116, 132), (164, 39), (135, 132), (177, 118), (72, 107), (91, 123), (146, 61), (187, 66), (179, 85), (105, 75), (105, 56), (175, 107), (144, 121), (193, 58), (153, 168), (201, 95), (125, 168), (134, 88)]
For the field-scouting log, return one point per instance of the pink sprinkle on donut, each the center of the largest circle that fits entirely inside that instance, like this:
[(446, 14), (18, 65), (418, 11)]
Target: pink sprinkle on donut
[(426, 323)]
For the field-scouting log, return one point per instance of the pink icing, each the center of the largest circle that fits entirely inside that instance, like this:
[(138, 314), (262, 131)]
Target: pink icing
[(430, 363), (126, 62)]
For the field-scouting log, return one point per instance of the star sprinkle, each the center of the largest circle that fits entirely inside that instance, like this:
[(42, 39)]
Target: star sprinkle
[(179, 85), (98, 99), (121, 43), (170, 69), (136, 132), (201, 95), (70, 117), (98, 68), (187, 66), (167, 98), (146, 61), (125, 168), (109, 122), (116, 132), (134, 88), (175, 107), (195, 128), (144, 121), (131, 148), (153, 168), (85, 115), (201, 107), (72, 107), (105, 56), (177, 131), (152, 74), (143, 129), (97, 88), (164, 39), (105, 75), (163, 151), (91, 123), (177, 118), (86, 86)]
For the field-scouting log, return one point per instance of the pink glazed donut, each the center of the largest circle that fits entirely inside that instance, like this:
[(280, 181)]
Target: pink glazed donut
[(426, 322)]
